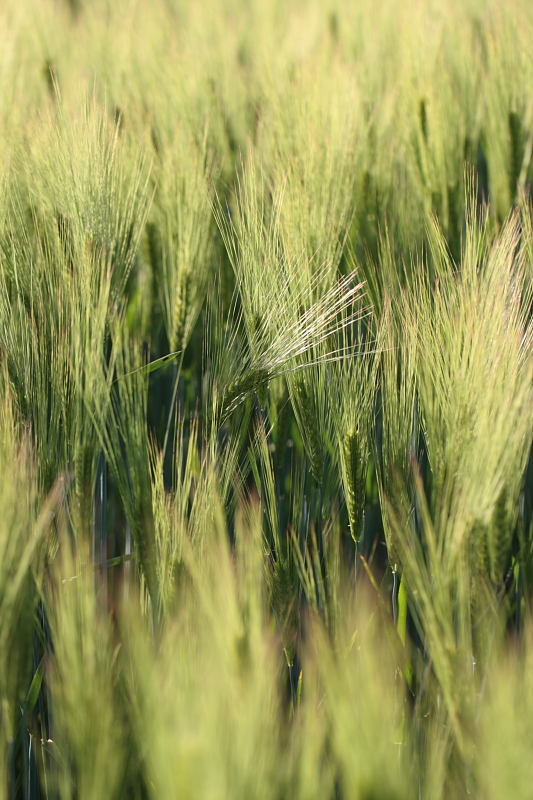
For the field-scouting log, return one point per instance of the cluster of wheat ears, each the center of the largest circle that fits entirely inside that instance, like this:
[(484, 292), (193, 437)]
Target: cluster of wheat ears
[(266, 400)]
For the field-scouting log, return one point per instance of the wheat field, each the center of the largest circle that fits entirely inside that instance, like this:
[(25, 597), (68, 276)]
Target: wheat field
[(266, 407)]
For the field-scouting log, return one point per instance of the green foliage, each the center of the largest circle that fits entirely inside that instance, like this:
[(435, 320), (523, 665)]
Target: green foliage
[(266, 294)]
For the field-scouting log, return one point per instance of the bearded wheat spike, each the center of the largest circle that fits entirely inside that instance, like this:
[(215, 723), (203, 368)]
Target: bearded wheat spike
[(242, 387), (180, 310), (500, 536), (308, 416), (354, 481), (84, 485)]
